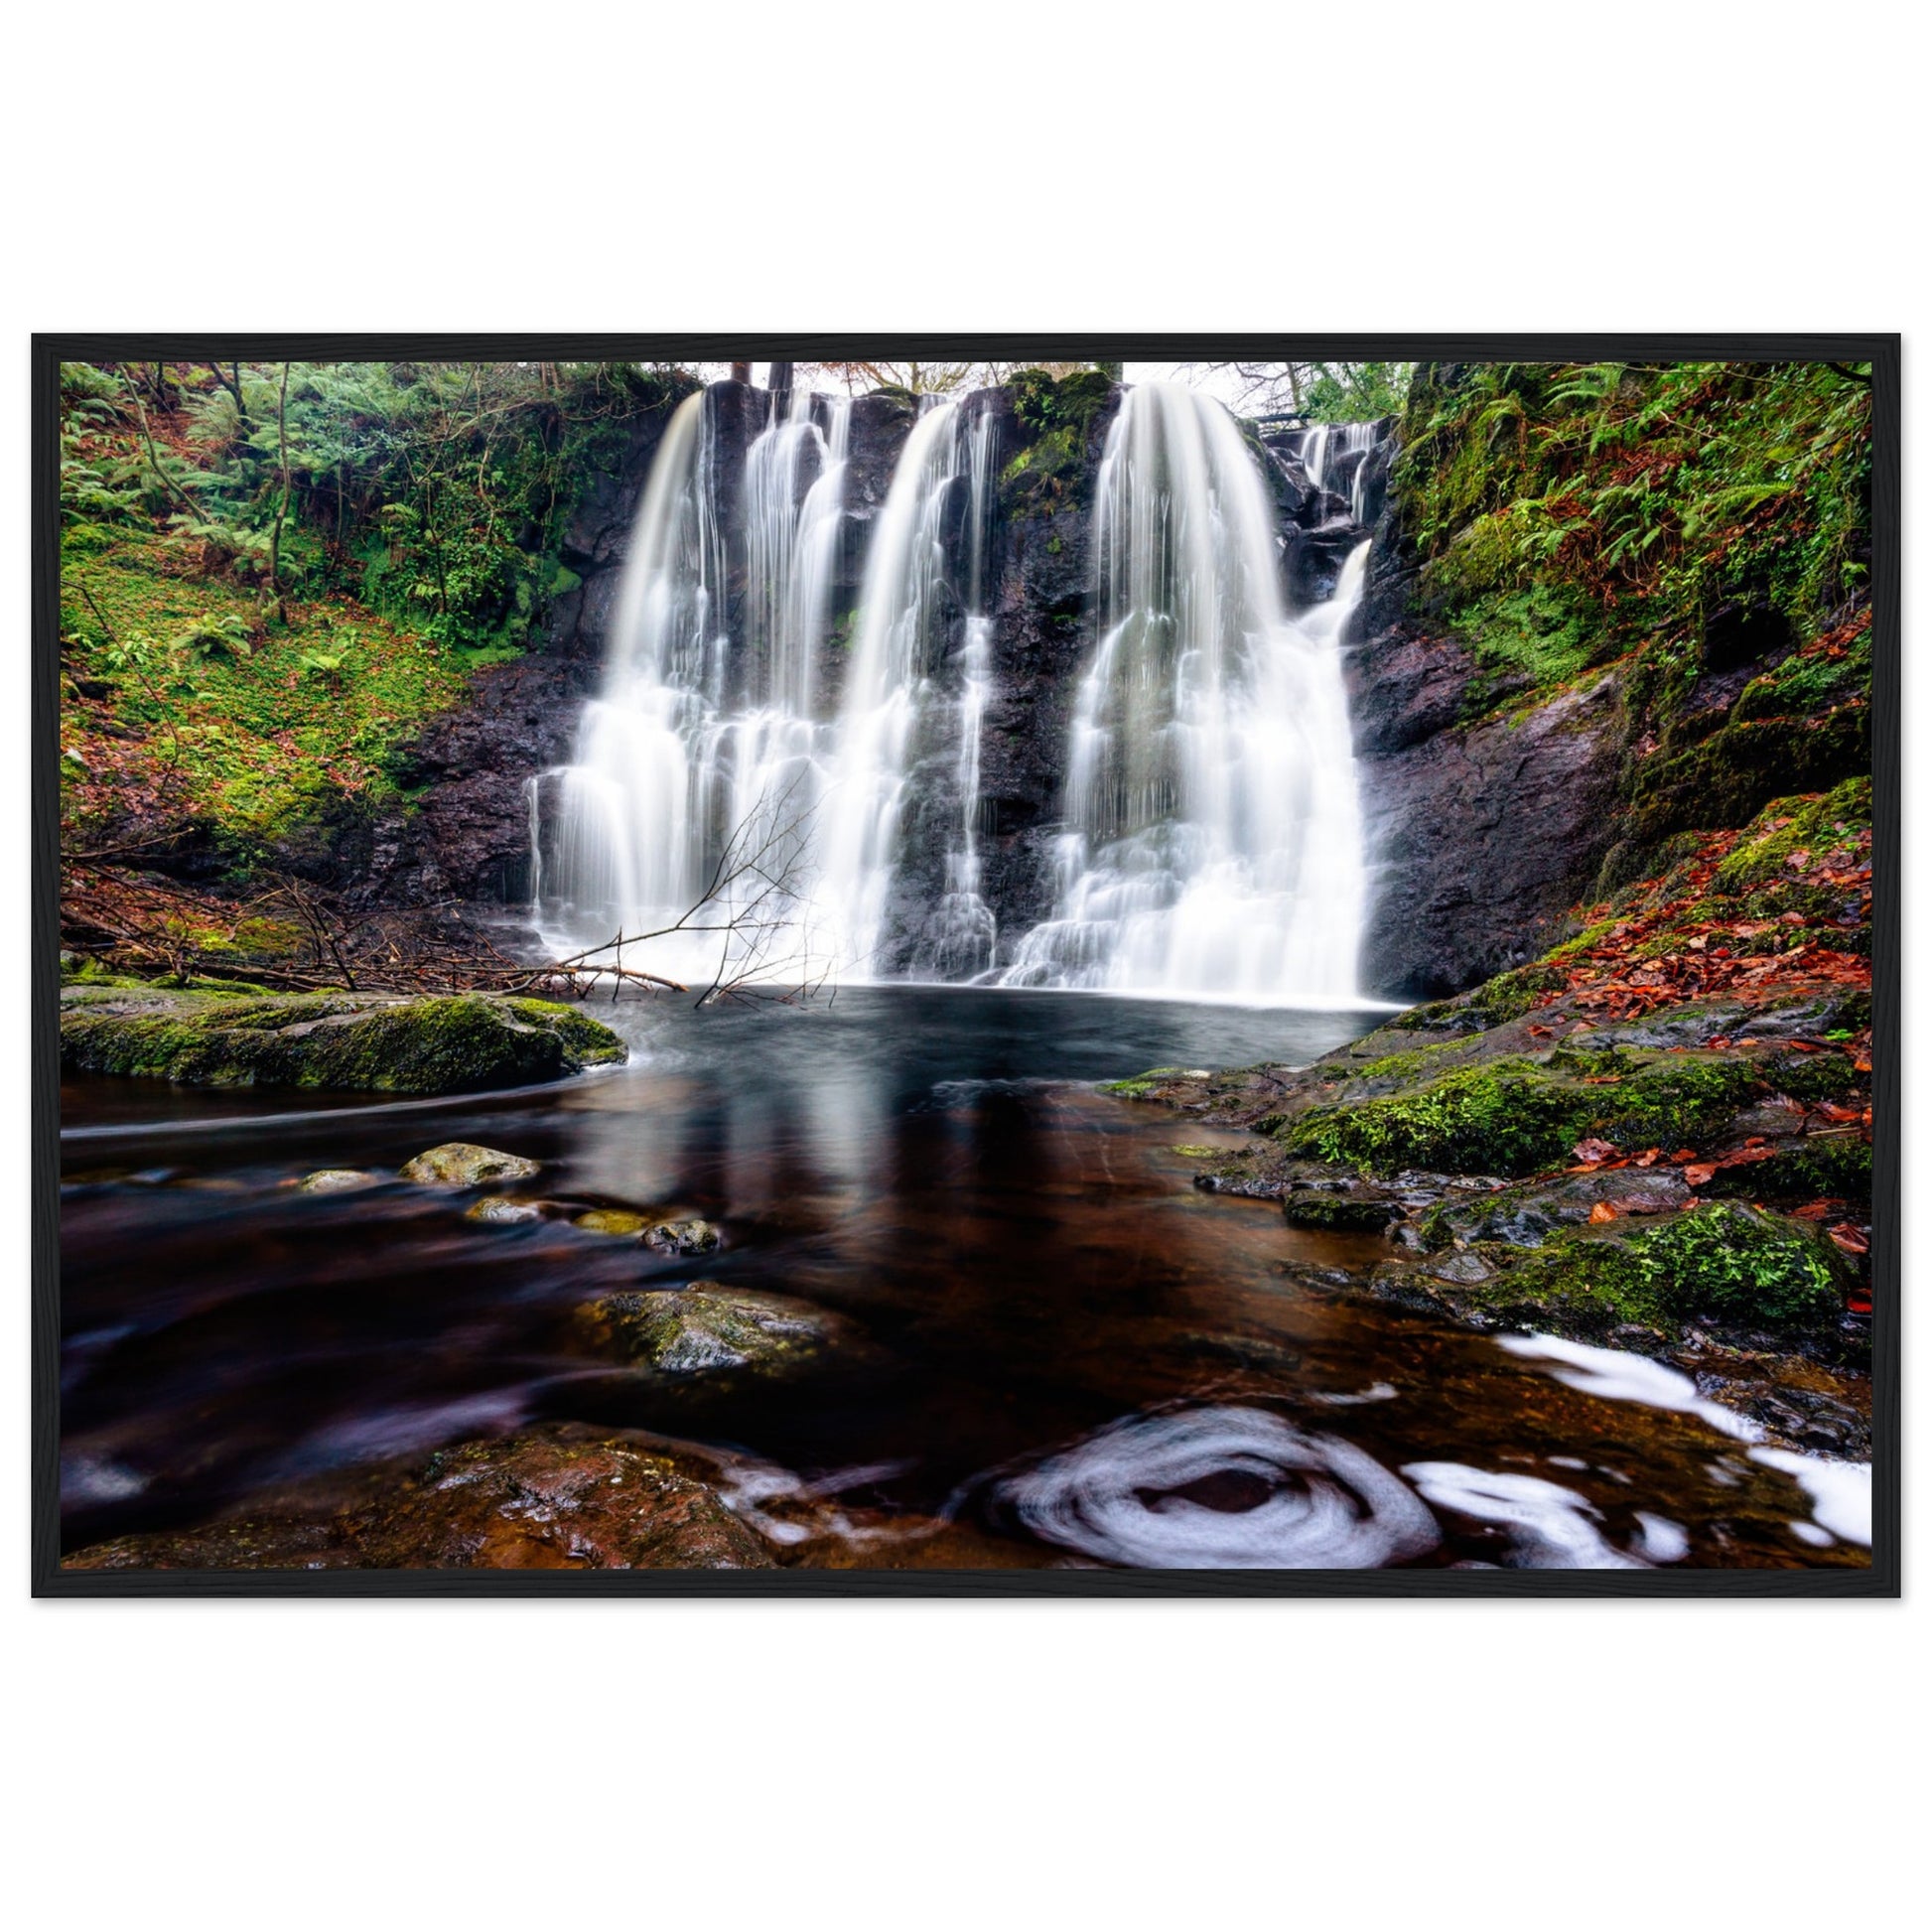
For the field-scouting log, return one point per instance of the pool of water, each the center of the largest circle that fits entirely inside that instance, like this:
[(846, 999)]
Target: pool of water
[(1068, 1354)]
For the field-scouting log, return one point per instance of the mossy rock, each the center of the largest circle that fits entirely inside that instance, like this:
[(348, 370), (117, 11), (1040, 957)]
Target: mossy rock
[(1520, 1115), (710, 1328), (1739, 769), (461, 1043), (463, 1163), (1718, 1262), (621, 1221), (1338, 1213)]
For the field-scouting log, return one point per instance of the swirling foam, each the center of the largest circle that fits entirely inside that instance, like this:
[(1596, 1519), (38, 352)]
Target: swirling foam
[(1617, 1375), (1551, 1527), (1326, 1506)]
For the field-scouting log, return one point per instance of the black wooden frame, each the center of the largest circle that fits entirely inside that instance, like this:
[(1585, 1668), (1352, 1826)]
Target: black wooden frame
[(1882, 1580)]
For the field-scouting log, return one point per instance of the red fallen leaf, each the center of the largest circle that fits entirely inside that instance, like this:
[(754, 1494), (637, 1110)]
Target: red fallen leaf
[(1649, 1157), (1602, 1211), (1850, 1239), (1754, 1139), (1833, 1112), (1682, 1154), (1858, 1305), (1798, 861), (1818, 1210), (1542, 1032), (1698, 1176), (1862, 1064), (1718, 1045), (1594, 1153)]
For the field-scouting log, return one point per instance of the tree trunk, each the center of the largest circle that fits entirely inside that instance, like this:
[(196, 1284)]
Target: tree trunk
[(281, 509), (740, 372)]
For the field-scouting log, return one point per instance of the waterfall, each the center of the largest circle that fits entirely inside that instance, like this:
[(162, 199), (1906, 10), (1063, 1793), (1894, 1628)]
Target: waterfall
[(693, 749), (1213, 846)]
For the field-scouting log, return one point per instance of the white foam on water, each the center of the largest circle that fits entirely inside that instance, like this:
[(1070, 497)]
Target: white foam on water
[(1619, 1376), (1840, 1492), (1551, 1527), (1327, 1505), (1661, 1539)]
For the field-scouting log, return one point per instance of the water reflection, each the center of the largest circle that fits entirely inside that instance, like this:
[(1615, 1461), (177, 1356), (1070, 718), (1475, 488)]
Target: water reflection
[(1061, 1352)]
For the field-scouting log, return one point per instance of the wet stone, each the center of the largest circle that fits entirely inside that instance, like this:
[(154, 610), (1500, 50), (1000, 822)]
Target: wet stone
[(682, 1237), (461, 1163), (335, 1180), (501, 1212), (711, 1326)]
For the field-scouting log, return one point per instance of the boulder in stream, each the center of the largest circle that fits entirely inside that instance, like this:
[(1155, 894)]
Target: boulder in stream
[(378, 1042), (711, 1326), (461, 1163)]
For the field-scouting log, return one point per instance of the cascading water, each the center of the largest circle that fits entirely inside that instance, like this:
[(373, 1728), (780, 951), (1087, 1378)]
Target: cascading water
[(693, 751), (963, 932), (1335, 456), (884, 688), (1214, 846)]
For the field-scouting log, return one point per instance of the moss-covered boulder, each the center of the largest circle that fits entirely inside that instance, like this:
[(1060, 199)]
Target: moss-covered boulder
[(1719, 1263), (461, 1043), (463, 1163), (711, 1327)]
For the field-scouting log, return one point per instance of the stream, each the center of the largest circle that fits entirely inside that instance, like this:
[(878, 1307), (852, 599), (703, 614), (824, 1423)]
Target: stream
[(1071, 1357)]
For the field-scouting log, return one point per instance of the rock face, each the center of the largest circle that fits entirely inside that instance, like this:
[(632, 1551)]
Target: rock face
[(376, 1043), (563, 1497)]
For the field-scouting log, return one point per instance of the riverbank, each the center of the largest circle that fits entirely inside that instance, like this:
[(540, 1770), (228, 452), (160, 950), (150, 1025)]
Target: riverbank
[(1657, 1136)]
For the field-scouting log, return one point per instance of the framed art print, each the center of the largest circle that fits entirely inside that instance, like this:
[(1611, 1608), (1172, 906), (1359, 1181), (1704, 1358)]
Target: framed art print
[(992, 964)]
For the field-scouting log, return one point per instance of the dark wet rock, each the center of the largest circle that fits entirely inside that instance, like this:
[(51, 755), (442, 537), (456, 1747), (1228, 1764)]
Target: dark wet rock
[(711, 1328), (1462, 893), (562, 1497), (461, 1163), (464, 1043), (1340, 1213), (691, 1237)]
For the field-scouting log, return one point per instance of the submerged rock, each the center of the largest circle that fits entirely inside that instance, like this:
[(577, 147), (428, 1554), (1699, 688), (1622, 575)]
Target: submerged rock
[(612, 1220), (498, 1210), (461, 1163), (464, 1043), (336, 1180), (558, 1497), (710, 1326)]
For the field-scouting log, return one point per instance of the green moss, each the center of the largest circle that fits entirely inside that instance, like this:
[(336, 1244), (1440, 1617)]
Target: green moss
[(458, 1045), (1142, 1084), (1791, 825), (1836, 1167), (1719, 1261), (1733, 773), (1517, 1116)]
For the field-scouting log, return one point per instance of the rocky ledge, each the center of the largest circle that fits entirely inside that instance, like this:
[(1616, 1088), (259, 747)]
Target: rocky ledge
[(1657, 1135), (230, 1037), (558, 1497)]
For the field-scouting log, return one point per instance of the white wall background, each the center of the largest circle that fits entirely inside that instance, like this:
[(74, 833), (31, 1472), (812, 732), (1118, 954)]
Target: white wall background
[(1215, 167)]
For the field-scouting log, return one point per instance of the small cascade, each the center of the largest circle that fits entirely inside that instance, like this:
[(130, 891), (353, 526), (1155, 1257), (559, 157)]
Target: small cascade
[(1214, 839), (963, 932), (1335, 456), (887, 690)]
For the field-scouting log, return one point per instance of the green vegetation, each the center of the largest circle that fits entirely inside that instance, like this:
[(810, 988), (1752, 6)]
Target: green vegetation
[(1060, 416), (271, 576), (1718, 1261), (1520, 1115), (1566, 513)]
